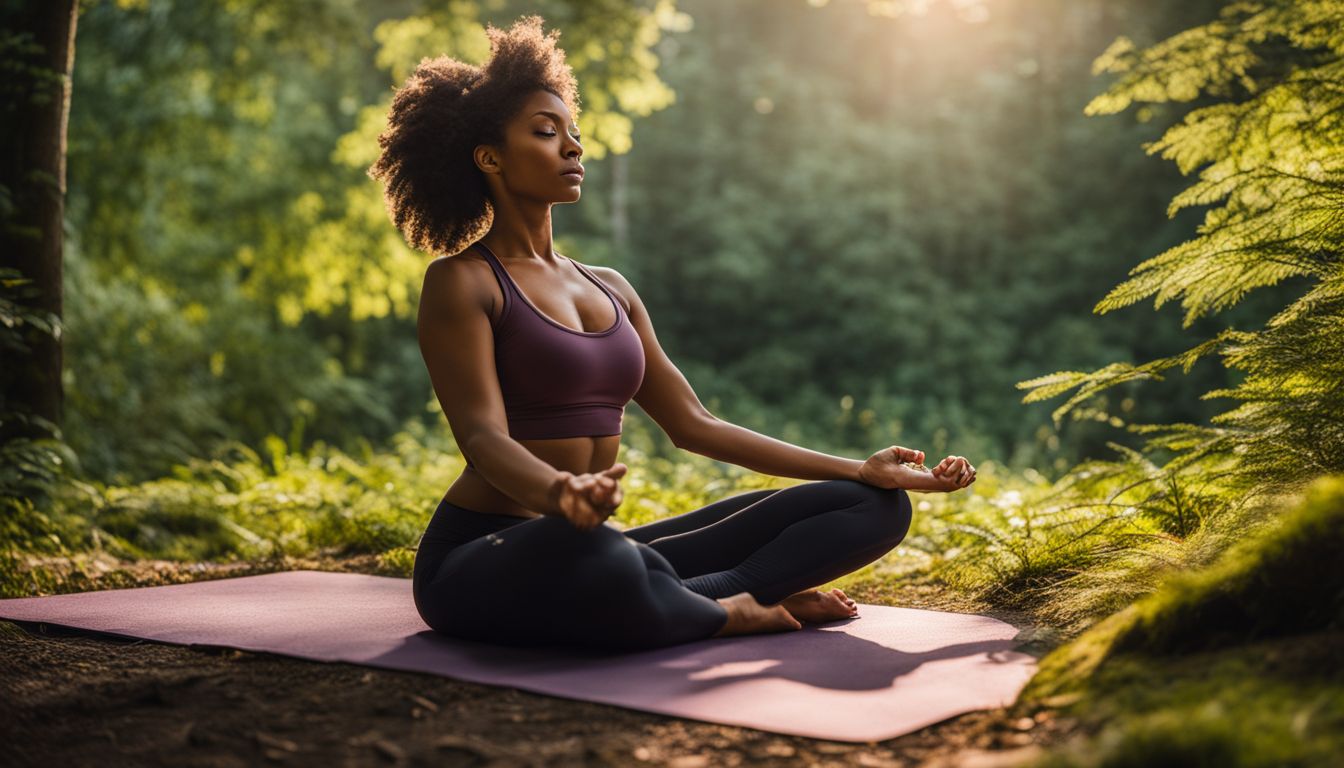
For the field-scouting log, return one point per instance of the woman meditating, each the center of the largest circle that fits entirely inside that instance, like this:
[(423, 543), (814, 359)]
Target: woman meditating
[(533, 357)]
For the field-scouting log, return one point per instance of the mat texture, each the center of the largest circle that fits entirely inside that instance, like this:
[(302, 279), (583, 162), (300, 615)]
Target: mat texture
[(886, 673)]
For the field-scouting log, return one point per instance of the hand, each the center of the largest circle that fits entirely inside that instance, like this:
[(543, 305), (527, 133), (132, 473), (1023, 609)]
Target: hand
[(898, 467), (588, 499), (957, 470), (952, 474), (887, 468)]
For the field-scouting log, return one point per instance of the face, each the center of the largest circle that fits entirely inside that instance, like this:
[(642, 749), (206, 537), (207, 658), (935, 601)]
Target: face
[(540, 145)]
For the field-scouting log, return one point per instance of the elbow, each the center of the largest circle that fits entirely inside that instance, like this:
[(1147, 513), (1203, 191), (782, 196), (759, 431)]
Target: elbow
[(695, 436), (478, 442)]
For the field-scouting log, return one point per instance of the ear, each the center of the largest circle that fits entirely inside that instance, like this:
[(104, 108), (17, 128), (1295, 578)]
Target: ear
[(486, 158)]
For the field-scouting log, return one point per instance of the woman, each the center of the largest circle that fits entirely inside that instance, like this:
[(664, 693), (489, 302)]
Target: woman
[(533, 358)]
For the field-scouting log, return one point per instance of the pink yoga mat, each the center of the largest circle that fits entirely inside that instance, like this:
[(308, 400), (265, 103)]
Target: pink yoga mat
[(888, 672)]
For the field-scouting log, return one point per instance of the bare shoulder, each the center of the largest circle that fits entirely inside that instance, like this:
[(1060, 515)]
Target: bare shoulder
[(459, 266), (459, 280), (617, 282)]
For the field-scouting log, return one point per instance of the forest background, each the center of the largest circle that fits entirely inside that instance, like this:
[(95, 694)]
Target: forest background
[(854, 223), (851, 230)]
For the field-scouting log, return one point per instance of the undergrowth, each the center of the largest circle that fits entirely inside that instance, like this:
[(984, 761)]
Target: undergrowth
[(1011, 539), (1235, 663)]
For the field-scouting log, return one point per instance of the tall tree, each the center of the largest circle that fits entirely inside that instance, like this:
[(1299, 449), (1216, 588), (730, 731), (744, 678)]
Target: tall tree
[(38, 43)]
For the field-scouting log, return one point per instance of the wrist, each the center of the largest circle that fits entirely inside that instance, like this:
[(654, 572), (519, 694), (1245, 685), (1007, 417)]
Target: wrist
[(858, 473), (553, 493)]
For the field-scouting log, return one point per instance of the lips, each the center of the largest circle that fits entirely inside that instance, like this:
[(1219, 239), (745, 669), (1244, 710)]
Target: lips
[(573, 172)]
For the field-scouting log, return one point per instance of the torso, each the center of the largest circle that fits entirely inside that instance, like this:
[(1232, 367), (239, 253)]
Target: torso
[(571, 300)]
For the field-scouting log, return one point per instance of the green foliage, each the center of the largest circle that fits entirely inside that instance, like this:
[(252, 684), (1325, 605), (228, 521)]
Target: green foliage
[(1230, 664), (1284, 582), (156, 379), (1278, 580), (1271, 172), (237, 274), (1230, 710), (245, 505), (1077, 549), (29, 466), (32, 469), (231, 271), (868, 216)]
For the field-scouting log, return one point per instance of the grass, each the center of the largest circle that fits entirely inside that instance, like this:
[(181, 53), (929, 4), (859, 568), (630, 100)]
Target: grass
[(1236, 663)]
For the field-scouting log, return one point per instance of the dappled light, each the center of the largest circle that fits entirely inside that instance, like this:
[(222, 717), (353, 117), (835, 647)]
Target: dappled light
[(1091, 252)]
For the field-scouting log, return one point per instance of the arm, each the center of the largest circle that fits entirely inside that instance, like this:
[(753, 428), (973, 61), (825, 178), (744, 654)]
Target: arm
[(669, 400), (458, 347), (725, 441)]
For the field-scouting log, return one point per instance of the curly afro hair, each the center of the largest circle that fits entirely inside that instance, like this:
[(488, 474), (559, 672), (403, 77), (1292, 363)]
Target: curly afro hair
[(433, 190)]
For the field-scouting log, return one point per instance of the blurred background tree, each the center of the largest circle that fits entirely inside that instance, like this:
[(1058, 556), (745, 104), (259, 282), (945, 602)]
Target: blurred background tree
[(854, 223), (1268, 143)]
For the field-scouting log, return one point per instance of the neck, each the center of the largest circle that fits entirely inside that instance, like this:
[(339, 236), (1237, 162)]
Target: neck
[(521, 231)]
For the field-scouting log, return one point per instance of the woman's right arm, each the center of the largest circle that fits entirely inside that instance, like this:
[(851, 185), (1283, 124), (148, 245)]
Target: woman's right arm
[(458, 347)]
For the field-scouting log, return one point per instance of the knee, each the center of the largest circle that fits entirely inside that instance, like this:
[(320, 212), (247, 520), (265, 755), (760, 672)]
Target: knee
[(890, 510), (898, 500)]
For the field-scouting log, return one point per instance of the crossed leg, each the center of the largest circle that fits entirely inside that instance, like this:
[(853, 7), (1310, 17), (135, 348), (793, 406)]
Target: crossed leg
[(774, 543), (535, 582)]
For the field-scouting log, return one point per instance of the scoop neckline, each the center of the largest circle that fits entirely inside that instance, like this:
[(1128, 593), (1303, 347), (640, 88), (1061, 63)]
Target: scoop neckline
[(519, 290)]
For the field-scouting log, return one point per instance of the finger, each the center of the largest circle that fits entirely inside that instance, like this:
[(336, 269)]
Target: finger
[(615, 470), (597, 496), (601, 493)]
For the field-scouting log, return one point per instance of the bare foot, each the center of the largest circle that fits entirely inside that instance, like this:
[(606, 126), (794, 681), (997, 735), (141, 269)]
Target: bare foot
[(748, 617), (816, 607)]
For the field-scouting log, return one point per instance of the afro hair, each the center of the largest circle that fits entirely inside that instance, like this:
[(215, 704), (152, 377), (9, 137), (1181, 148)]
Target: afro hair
[(435, 194)]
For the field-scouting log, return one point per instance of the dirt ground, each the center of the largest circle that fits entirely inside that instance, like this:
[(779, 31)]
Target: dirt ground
[(71, 698)]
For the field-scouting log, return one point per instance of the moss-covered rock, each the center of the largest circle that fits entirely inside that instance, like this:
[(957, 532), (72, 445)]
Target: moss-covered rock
[(1287, 580), (1234, 664)]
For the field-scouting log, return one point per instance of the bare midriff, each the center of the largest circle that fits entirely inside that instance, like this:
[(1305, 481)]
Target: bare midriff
[(577, 455)]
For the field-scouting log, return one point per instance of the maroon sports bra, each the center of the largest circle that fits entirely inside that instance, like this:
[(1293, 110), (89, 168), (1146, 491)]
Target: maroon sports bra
[(556, 381)]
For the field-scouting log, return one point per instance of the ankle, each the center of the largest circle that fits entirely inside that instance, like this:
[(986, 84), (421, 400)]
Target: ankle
[(734, 616)]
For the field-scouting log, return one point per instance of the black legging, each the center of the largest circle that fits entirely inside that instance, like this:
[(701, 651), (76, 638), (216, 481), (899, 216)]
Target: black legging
[(517, 581)]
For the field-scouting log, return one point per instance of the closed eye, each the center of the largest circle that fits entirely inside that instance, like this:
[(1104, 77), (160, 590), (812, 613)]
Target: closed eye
[(576, 138)]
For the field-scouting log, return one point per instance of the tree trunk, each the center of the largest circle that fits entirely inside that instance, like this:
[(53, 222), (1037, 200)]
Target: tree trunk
[(32, 173)]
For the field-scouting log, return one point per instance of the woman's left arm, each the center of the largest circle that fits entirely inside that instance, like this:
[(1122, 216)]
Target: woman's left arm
[(725, 441), (669, 400)]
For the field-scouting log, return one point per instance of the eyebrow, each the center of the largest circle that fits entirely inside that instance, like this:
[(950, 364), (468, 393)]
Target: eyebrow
[(549, 114)]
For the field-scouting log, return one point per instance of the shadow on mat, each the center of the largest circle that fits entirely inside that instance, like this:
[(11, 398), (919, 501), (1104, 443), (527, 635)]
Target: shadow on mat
[(814, 657)]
